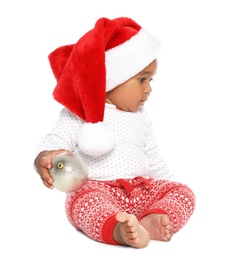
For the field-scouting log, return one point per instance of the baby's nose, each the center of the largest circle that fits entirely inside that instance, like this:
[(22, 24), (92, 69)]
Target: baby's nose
[(148, 90)]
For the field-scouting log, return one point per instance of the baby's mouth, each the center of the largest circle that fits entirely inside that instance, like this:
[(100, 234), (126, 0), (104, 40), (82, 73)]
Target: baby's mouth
[(142, 102)]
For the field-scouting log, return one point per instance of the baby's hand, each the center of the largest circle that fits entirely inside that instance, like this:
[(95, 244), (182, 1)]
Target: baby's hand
[(43, 163)]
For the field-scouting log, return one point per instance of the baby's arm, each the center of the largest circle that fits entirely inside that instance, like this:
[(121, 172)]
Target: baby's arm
[(62, 138), (157, 164), (43, 164)]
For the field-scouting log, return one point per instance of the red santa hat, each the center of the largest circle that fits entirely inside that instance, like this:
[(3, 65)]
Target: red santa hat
[(103, 58)]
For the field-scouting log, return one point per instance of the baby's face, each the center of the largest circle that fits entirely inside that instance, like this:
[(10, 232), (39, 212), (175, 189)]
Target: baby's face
[(133, 93)]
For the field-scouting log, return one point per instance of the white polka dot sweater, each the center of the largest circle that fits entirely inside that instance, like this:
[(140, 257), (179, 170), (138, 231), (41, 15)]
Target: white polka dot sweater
[(135, 154)]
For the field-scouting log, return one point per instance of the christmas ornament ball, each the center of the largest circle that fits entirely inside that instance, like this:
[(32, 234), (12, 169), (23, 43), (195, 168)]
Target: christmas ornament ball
[(69, 172)]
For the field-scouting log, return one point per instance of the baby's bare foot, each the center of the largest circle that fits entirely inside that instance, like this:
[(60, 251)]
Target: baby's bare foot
[(158, 226), (129, 232)]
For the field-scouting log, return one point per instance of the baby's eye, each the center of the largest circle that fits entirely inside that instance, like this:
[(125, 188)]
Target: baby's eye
[(142, 80), (151, 79)]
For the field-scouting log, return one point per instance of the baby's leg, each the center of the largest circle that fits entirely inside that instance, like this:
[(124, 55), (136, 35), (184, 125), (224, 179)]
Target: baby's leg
[(158, 226), (128, 231)]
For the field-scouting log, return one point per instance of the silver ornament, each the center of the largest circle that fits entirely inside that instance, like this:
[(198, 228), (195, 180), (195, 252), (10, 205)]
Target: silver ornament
[(69, 172)]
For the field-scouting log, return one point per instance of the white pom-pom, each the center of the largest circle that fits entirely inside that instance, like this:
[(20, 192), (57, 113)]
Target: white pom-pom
[(96, 139)]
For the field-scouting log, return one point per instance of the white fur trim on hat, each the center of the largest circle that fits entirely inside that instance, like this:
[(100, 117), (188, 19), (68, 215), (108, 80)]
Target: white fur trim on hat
[(128, 59), (96, 139)]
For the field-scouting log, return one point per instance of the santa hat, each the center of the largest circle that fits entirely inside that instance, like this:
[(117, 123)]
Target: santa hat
[(103, 58)]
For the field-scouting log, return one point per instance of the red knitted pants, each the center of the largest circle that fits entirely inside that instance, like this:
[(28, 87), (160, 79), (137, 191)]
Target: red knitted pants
[(92, 209)]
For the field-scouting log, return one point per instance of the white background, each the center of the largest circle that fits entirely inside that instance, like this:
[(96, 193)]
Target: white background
[(188, 106)]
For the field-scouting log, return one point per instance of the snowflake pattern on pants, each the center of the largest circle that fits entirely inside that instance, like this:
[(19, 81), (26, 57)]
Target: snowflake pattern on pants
[(92, 209)]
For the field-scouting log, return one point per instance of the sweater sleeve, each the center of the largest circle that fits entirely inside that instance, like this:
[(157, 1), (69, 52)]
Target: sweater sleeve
[(157, 164), (63, 135)]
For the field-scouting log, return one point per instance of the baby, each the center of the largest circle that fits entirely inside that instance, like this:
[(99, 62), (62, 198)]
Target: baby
[(103, 82)]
